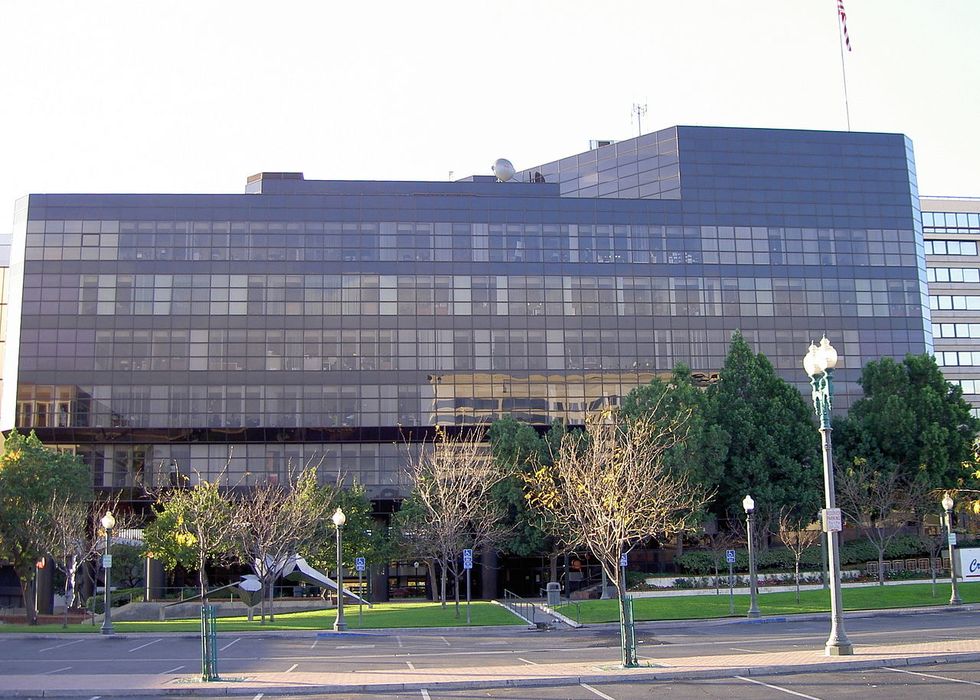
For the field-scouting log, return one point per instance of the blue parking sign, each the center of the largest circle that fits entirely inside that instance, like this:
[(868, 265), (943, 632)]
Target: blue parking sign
[(467, 558), (730, 556), (623, 559), (359, 563)]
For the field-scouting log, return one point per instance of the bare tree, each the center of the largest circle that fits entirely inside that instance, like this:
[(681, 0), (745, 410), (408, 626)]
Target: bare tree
[(719, 541), (874, 499), (797, 537), (71, 534), (451, 506), (274, 521), (610, 489)]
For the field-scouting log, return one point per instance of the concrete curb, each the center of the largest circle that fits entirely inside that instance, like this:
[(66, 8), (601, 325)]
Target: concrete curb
[(246, 688)]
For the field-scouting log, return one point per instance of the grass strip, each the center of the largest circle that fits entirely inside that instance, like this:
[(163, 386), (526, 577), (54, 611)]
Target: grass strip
[(699, 607)]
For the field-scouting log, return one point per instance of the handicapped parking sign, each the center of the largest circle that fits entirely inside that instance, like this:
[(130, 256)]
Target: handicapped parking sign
[(467, 558), (730, 556), (359, 563)]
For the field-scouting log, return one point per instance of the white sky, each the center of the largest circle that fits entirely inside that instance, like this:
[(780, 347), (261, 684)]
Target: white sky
[(194, 96)]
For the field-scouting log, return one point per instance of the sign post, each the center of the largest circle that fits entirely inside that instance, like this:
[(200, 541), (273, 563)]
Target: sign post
[(359, 563), (730, 558), (468, 565)]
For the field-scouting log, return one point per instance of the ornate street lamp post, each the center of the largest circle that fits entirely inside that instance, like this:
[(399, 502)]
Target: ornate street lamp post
[(954, 598), (749, 505), (108, 522), (819, 364), (339, 624)]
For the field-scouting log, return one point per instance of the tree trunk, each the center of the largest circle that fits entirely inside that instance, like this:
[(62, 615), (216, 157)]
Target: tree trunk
[(679, 544), (444, 573), (626, 626), (796, 570), (881, 567), (272, 598), (553, 567), (456, 592), (27, 592), (433, 587), (202, 578)]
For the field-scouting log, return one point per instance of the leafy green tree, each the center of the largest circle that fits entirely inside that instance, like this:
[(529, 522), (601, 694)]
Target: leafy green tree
[(517, 448), (911, 420), (702, 451), (363, 535), (32, 478), (166, 542), (774, 447), (200, 526)]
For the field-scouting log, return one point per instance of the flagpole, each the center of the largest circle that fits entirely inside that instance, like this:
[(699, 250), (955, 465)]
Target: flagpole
[(843, 71)]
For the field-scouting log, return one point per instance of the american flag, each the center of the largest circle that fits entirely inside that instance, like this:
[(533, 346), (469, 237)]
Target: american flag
[(843, 23)]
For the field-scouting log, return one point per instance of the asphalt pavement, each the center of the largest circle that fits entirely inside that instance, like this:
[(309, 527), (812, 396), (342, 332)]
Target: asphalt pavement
[(731, 658)]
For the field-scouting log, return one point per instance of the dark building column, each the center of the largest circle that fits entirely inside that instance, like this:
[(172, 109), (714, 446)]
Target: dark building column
[(44, 587), (379, 583), (489, 570), (155, 579)]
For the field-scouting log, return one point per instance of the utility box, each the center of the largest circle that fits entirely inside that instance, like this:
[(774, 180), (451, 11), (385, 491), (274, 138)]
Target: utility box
[(553, 589)]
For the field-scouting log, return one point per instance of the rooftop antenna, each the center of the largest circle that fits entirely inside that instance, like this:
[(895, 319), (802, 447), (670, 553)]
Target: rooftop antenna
[(639, 110)]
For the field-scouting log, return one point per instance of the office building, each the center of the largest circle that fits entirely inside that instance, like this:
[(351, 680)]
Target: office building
[(951, 226), (336, 322)]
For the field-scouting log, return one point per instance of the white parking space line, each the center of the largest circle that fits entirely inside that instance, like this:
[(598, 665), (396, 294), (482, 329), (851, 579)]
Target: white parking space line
[(95, 697), (356, 646), (529, 663), (57, 670), (234, 641), (751, 651), (930, 675), (173, 670), (411, 666), (446, 641), (291, 668), (258, 697), (143, 646), (776, 687), (66, 644), (399, 640), (425, 694), (313, 645), (596, 692)]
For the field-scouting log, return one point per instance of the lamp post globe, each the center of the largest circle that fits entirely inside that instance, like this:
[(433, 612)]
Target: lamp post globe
[(819, 364), (108, 523), (339, 520), (954, 596), (748, 504)]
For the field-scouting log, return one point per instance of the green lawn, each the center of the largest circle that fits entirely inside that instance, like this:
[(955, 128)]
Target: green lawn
[(381, 616), (714, 606), (401, 615)]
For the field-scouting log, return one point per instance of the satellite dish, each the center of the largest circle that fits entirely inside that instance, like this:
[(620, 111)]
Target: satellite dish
[(503, 169)]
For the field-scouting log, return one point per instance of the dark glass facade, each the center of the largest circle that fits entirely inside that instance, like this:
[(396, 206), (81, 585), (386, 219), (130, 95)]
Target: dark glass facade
[(329, 322)]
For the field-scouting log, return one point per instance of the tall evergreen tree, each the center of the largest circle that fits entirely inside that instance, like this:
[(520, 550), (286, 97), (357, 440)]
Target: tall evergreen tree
[(702, 451), (911, 420), (774, 446)]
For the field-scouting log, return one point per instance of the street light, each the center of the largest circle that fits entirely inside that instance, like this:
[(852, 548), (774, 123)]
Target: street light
[(819, 364), (339, 519), (108, 522), (749, 505), (954, 598)]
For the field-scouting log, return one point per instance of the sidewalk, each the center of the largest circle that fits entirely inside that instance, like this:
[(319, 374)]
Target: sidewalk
[(684, 668)]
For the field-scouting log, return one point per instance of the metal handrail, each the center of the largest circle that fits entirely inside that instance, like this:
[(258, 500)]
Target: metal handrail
[(520, 605)]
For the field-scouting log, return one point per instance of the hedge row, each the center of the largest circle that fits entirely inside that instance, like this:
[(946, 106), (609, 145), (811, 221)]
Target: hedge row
[(702, 563)]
